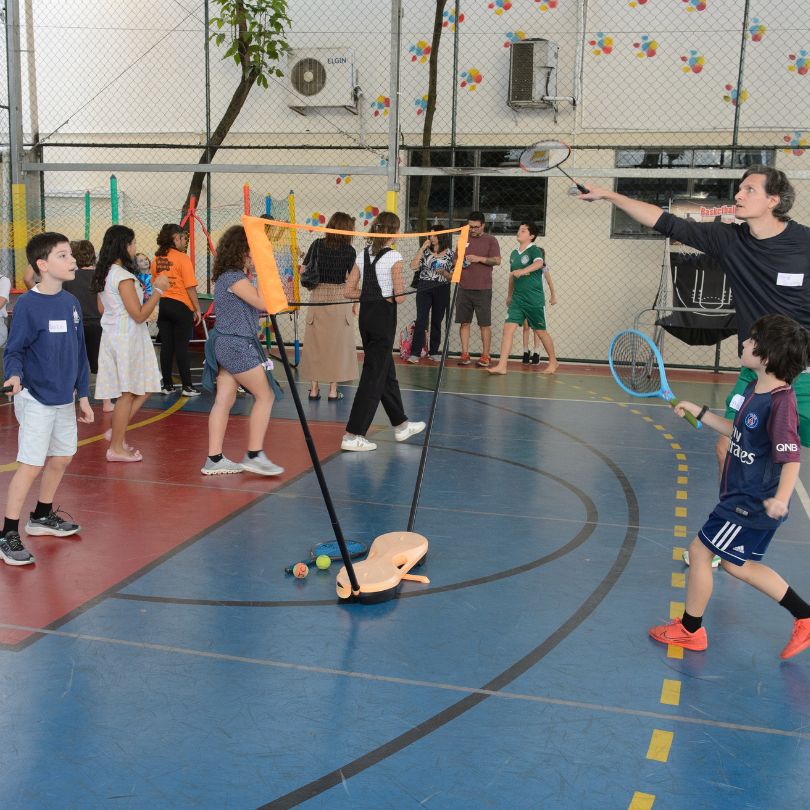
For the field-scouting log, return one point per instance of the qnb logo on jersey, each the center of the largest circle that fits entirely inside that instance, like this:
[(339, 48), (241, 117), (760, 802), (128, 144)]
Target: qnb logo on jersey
[(787, 448), (76, 318), (524, 259), (752, 421)]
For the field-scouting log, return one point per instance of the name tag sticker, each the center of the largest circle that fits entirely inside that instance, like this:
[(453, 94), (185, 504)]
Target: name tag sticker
[(57, 326), (736, 402), (790, 279)]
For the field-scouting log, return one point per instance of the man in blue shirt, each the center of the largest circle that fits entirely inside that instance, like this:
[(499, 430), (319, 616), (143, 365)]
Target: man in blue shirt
[(45, 367)]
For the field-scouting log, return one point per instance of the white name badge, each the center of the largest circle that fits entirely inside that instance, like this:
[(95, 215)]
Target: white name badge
[(790, 279), (57, 326), (736, 402)]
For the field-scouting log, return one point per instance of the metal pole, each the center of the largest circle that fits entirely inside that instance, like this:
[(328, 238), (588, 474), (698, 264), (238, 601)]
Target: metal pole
[(207, 145), (391, 197), (316, 462), (36, 183), (740, 72), (451, 201), (19, 215)]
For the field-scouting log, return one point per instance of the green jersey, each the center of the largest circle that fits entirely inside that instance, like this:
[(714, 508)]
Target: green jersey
[(528, 287)]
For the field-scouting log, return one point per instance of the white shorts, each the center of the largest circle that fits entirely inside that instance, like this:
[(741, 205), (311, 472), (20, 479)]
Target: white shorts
[(45, 430)]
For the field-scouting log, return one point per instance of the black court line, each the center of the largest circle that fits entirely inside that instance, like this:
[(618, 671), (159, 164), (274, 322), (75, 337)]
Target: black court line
[(589, 527), (352, 768)]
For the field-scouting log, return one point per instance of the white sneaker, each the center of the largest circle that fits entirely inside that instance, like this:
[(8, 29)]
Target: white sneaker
[(436, 358), (715, 560), (261, 465), (222, 467), (358, 444), (410, 429), (412, 359)]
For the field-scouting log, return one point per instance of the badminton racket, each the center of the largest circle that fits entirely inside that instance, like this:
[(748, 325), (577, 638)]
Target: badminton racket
[(545, 155), (331, 550), (638, 368)]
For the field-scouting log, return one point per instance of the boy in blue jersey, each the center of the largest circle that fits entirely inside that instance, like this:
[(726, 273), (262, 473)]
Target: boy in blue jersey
[(45, 367), (759, 473)]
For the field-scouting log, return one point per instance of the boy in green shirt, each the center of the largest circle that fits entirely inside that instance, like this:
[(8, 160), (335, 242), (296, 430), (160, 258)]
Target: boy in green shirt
[(526, 299)]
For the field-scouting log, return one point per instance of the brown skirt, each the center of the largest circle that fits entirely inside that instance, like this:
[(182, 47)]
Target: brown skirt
[(329, 353)]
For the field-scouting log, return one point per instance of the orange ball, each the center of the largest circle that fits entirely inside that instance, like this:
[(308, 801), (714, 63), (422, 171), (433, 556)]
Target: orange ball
[(300, 570)]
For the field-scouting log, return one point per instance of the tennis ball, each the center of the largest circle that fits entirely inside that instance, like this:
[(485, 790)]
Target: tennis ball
[(300, 570), (323, 561)]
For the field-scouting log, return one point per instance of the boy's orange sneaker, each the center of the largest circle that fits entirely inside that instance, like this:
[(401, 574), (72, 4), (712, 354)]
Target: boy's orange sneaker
[(675, 633), (799, 640), (483, 362), (464, 360)]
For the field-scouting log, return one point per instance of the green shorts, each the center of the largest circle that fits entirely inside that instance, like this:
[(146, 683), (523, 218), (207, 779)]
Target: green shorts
[(520, 310), (801, 386)]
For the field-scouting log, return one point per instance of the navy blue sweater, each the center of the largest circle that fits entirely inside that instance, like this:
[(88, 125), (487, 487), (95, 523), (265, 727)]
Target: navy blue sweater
[(45, 347)]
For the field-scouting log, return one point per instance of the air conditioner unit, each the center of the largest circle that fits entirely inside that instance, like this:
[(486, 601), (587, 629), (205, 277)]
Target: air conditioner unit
[(321, 77), (532, 73)]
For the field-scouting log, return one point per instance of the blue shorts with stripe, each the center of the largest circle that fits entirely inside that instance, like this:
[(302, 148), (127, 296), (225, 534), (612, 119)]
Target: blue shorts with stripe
[(733, 542)]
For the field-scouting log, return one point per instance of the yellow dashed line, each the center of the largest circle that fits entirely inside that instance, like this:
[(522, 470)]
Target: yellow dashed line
[(676, 609), (659, 427), (608, 399), (674, 652), (671, 692), (641, 801), (677, 553), (660, 743), (683, 480), (680, 511), (678, 580), (679, 531), (683, 468), (635, 411), (681, 494), (680, 456), (675, 446)]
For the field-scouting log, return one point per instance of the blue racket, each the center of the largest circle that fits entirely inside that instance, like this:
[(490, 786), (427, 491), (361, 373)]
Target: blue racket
[(331, 550), (638, 368)]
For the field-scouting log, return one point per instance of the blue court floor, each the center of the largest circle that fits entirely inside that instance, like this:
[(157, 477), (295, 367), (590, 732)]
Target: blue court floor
[(522, 676)]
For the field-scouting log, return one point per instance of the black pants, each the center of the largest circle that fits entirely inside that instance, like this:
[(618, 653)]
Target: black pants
[(432, 302), (175, 327), (92, 342), (378, 379)]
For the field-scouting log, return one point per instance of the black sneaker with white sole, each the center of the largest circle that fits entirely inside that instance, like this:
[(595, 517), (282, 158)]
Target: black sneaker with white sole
[(190, 391), (12, 551), (51, 524), (167, 389)]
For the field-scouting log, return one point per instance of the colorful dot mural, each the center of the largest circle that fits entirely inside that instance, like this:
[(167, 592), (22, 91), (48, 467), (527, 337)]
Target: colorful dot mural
[(499, 6), (470, 78), (419, 51), (646, 47), (601, 45), (451, 18), (512, 37), (343, 179), (421, 104), (799, 63), (696, 5), (368, 214), (381, 105), (756, 30), (316, 218), (731, 95), (796, 144), (548, 5), (694, 62)]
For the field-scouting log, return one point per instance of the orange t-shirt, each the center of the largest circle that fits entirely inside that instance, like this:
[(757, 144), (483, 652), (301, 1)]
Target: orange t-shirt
[(180, 271)]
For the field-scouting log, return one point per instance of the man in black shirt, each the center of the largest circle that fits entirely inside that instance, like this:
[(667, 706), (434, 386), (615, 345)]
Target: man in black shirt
[(766, 260)]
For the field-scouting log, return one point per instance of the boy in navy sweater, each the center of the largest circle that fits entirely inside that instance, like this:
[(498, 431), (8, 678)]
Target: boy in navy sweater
[(760, 471), (45, 366)]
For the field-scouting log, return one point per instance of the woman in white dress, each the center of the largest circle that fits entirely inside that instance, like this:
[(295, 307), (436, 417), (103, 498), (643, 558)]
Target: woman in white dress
[(127, 365)]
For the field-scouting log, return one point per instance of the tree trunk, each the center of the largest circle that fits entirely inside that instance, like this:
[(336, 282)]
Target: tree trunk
[(427, 130), (221, 132)]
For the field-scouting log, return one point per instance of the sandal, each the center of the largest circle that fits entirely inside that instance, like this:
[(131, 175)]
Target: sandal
[(337, 396), (108, 438)]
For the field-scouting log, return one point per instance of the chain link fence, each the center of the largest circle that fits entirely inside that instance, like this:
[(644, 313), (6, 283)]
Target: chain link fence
[(665, 99)]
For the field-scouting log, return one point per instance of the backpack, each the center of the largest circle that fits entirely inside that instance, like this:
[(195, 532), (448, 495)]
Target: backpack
[(406, 339)]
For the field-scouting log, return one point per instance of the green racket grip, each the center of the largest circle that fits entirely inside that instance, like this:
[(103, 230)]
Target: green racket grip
[(686, 415)]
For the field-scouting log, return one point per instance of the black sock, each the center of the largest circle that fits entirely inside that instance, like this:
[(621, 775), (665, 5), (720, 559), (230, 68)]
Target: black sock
[(792, 602), (253, 453), (691, 623), (216, 458), (10, 525), (42, 510)]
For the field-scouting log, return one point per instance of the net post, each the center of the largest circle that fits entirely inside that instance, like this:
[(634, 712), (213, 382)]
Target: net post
[(246, 198), (192, 216), (114, 199), (316, 462), (87, 214)]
